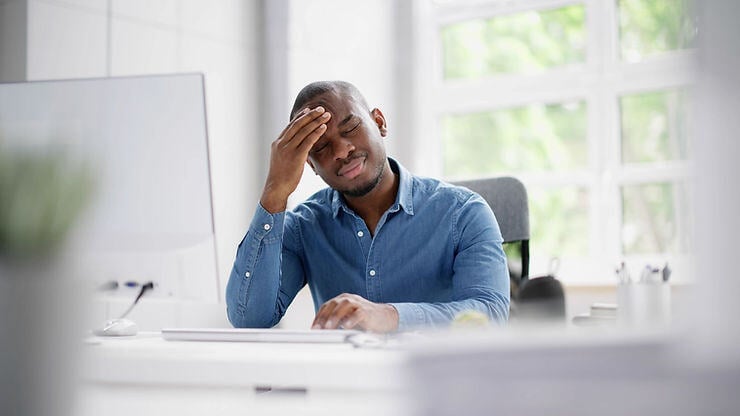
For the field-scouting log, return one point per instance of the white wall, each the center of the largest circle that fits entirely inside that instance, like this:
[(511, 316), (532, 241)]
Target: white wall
[(98, 38)]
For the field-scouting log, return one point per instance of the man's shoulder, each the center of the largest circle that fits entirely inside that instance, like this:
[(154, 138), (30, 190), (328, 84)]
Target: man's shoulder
[(438, 190), (320, 203)]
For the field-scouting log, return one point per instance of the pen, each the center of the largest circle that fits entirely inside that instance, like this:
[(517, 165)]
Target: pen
[(666, 273), (622, 274), (650, 274)]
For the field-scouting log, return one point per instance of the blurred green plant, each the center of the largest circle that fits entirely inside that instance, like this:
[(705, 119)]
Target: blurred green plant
[(41, 196)]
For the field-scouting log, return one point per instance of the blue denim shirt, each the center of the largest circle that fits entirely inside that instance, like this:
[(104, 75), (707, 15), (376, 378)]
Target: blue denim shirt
[(435, 252)]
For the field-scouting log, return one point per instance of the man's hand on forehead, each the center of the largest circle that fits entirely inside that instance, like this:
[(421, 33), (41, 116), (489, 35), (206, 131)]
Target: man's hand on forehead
[(288, 156)]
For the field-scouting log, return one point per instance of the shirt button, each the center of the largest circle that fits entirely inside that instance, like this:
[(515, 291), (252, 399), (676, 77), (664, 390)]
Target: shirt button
[(360, 233), (372, 272), (267, 227), (247, 274)]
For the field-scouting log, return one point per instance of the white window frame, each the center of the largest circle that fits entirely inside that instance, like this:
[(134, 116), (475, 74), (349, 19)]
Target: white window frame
[(600, 81)]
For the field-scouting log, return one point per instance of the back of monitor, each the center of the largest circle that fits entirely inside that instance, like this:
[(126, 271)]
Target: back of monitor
[(145, 140)]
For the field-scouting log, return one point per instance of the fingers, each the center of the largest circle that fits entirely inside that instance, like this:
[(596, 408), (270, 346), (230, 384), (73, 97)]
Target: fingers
[(341, 314), (354, 319), (305, 126), (308, 142), (288, 156), (342, 310), (323, 314), (295, 117), (298, 114)]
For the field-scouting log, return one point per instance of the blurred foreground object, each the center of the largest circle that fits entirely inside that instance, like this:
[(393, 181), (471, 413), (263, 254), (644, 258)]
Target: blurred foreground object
[(687, 372), (41, 196), (470, 319)]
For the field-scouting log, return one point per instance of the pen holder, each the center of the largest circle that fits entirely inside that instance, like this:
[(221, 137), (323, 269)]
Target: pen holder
[(644, 304)]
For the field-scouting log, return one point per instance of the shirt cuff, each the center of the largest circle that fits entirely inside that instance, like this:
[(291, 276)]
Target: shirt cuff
[(410, 316), (264, 223)]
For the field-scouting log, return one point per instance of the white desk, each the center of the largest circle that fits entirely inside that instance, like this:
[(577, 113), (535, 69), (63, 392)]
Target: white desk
[(147, 375), (577, 373)]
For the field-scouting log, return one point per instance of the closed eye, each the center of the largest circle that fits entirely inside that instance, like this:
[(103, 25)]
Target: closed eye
[(353, 128), (320, 147)]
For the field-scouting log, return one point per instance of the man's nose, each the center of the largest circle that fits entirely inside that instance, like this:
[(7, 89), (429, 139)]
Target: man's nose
[(343, 149)]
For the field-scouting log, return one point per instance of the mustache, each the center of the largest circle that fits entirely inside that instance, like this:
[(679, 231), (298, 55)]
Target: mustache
[(352, 156)]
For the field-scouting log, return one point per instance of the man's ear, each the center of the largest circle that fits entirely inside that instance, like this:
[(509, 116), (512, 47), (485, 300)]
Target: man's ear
[(379, 119), (311, 164)]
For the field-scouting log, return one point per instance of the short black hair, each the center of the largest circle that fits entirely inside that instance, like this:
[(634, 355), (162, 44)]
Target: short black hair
[(317, 88)]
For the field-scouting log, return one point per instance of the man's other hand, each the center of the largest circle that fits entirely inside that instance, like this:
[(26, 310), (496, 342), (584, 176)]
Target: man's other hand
[(350, 311)]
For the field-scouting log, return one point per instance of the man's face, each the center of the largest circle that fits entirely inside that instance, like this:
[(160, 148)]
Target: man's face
[(350, 156)]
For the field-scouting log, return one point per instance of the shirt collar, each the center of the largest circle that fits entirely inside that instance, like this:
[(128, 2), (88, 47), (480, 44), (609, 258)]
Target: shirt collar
[(404, 198)]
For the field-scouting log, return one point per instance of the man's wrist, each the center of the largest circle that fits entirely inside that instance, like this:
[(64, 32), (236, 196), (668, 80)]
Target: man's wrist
[(392, 317), (272, 203)]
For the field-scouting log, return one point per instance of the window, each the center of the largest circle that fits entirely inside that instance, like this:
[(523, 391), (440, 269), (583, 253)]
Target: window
[(654, 126), (537, 137), (587, 102), (650, 218), (649, 27), (522, 42)]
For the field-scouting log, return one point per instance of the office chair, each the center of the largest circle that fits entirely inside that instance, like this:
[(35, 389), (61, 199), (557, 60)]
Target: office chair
[(540, 299), (507, 197)]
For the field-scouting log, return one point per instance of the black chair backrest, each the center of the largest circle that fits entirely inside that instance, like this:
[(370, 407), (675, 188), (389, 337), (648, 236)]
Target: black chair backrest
[(507, 198)]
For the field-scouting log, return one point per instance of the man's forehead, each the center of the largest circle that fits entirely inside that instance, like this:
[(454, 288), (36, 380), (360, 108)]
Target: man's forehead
[(334, 102)]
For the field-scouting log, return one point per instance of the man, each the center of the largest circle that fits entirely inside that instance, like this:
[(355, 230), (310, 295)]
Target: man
[(380, 249)]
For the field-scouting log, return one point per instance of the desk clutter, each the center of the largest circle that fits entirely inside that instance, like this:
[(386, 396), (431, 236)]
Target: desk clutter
[(643, 303), (539, 299), (600, 314)]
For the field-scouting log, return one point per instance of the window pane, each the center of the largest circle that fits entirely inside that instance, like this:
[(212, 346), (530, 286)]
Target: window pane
[(522, 42), (654, 126), (652, 215), (652, 26), (533, 138), (559, 220)]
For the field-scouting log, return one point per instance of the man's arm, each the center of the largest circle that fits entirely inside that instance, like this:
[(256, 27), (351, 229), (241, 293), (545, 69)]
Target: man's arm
[(480, 283), (265, 277), (255, 294), (480, 278)]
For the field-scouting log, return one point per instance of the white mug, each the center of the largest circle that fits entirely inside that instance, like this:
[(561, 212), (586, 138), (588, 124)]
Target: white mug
[(644, 304)]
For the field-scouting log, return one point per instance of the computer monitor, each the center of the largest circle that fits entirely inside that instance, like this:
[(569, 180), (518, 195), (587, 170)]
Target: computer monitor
[(145, 140)]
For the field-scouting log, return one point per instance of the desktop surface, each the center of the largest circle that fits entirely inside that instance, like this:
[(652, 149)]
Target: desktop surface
[(452, 372), (149, 358), (311, 336), (148, 375)]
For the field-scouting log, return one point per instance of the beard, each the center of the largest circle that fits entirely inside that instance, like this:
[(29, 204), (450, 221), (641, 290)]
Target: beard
[(364, 189)]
